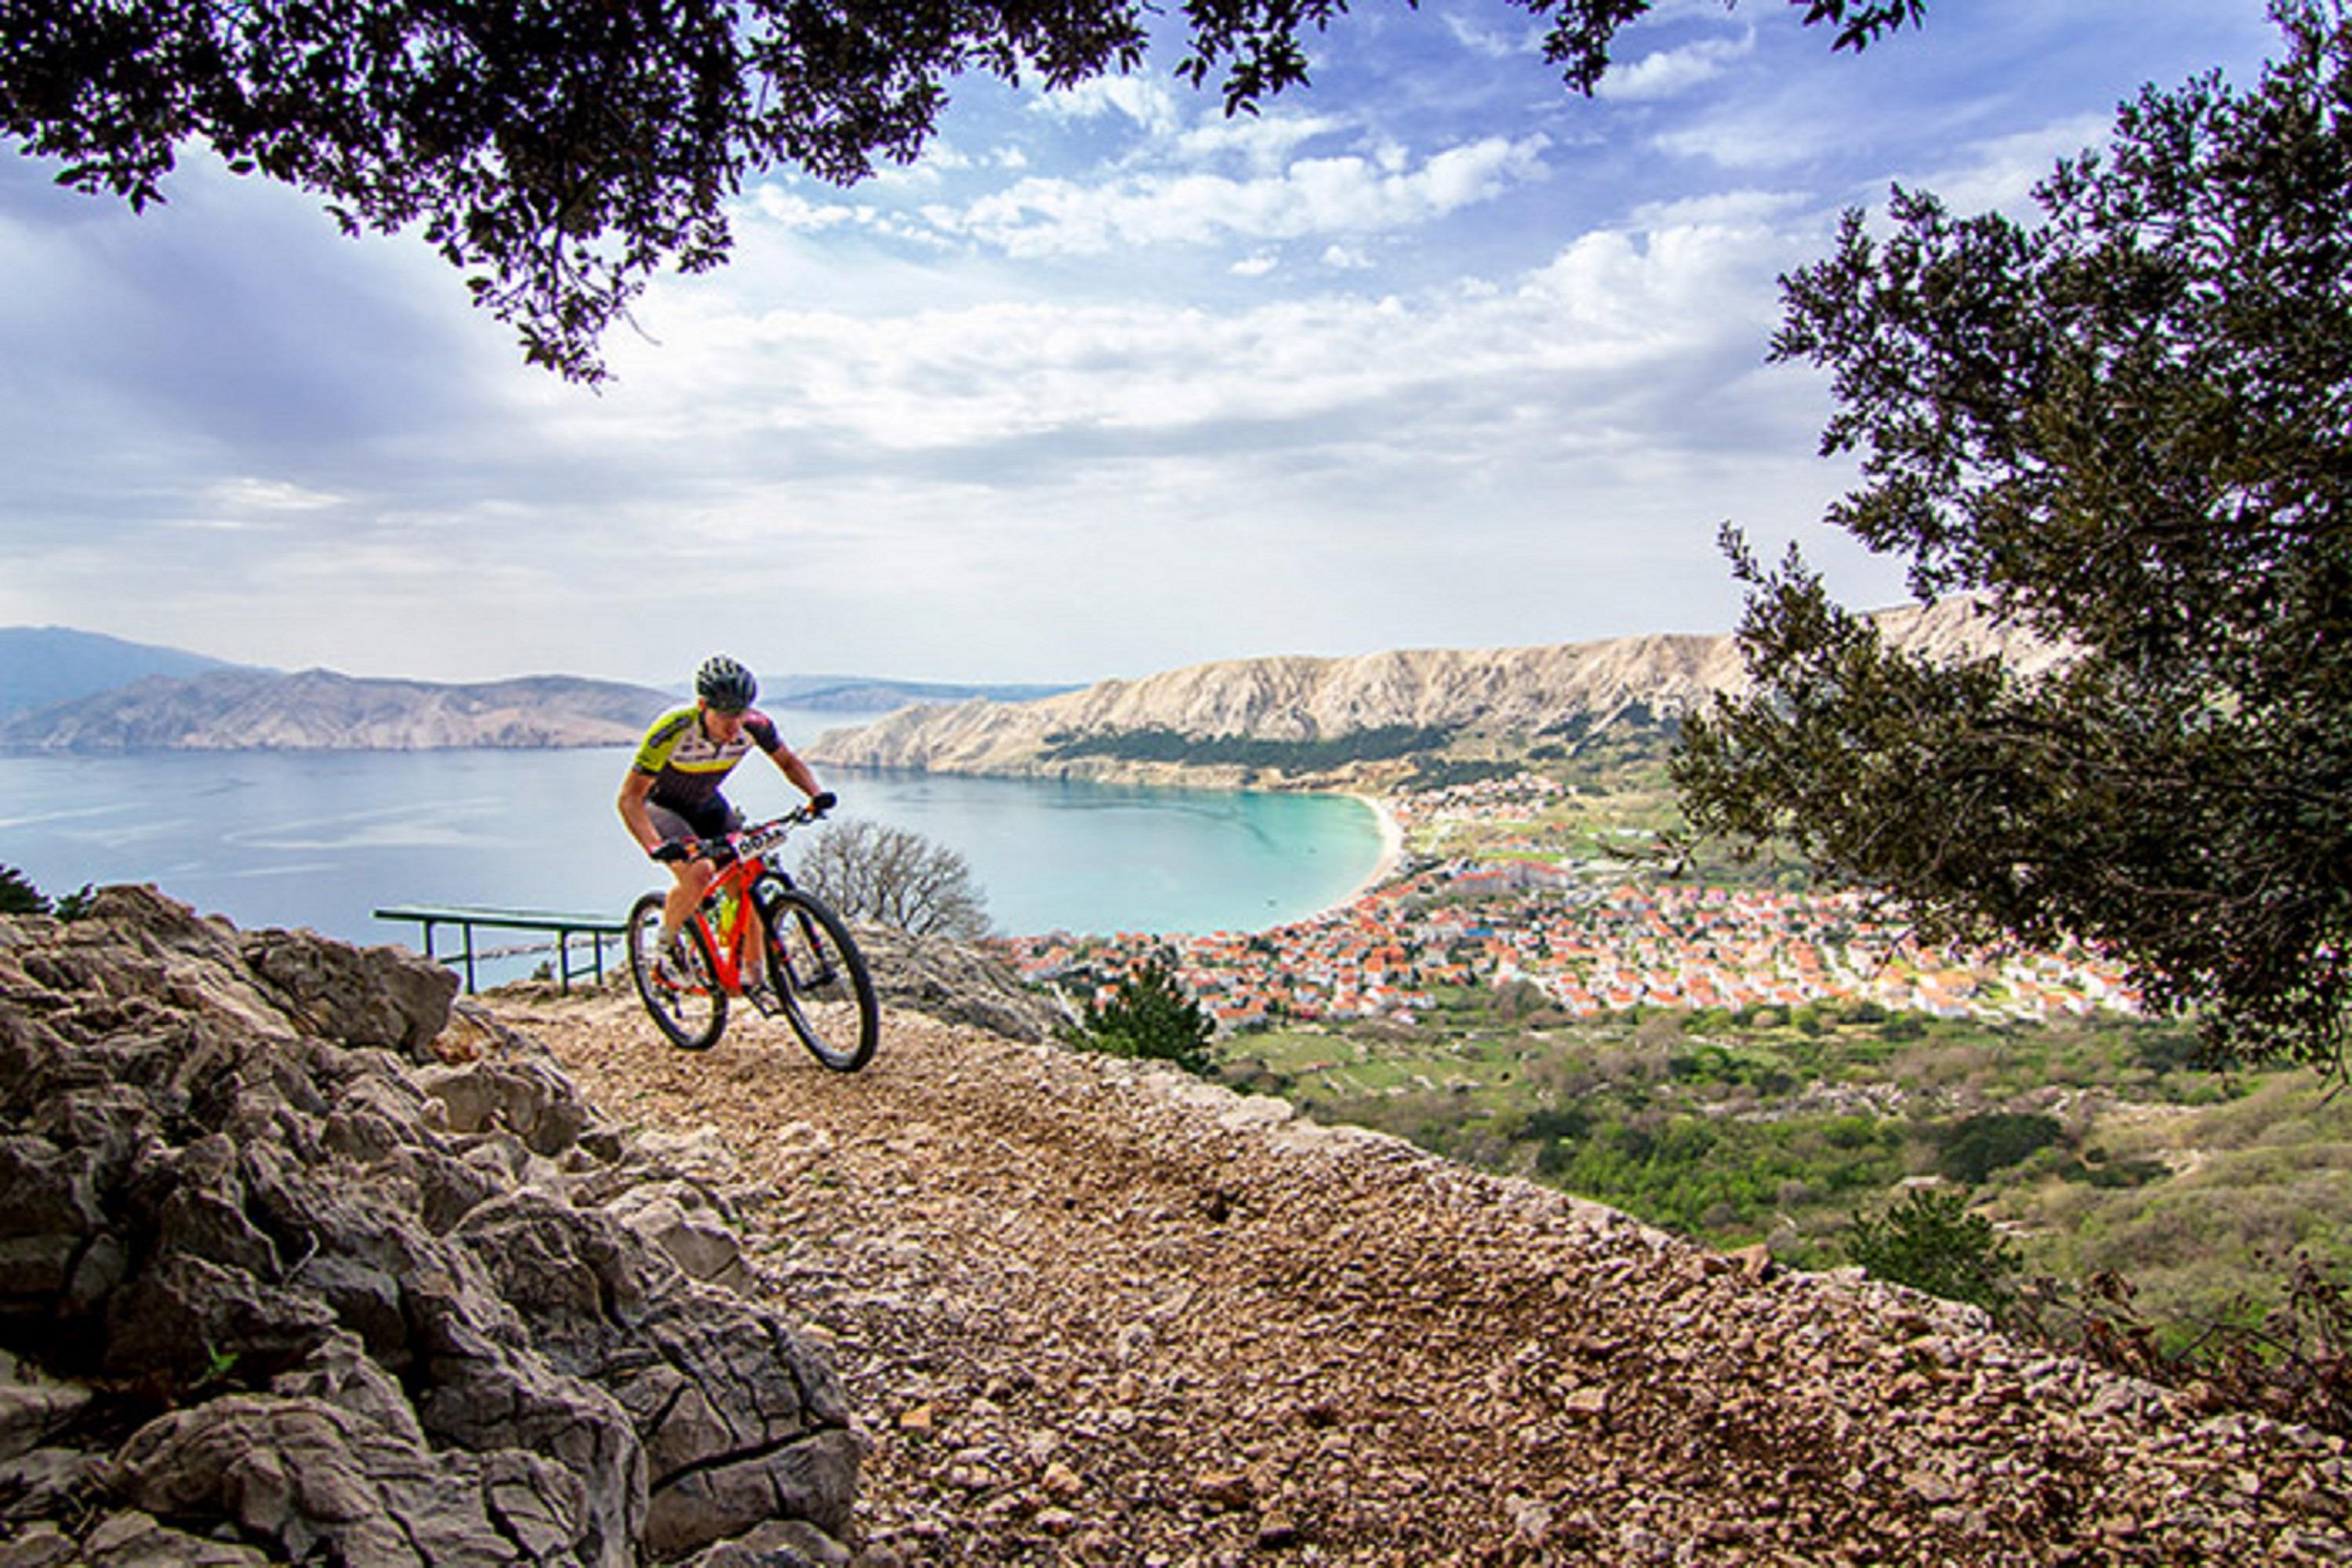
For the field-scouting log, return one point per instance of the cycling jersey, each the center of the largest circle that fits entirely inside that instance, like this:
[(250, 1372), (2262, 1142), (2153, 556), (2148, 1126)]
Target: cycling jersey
[(688, 766)]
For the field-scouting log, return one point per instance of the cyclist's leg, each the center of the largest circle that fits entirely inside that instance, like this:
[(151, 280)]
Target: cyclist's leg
[(726, 818), (690, 878)]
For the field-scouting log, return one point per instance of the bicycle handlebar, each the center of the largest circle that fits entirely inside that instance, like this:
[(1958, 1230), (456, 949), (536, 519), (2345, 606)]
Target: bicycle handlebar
[(759, 837), (753, 838)]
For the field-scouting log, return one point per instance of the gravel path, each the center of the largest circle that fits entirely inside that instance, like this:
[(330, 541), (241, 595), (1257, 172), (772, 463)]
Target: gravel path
[(1096, 1314)]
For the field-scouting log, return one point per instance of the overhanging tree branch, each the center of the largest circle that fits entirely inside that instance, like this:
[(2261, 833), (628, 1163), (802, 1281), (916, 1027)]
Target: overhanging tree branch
[(561, 153)]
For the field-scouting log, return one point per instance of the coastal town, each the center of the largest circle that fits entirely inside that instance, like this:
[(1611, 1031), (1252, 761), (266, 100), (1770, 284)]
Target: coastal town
[(1594, 938)]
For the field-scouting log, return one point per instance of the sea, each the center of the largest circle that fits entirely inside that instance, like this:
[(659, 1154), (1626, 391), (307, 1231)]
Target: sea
[(322, 839)]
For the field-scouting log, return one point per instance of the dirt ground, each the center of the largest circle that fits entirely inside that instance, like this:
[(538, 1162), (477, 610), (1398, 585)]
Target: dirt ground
[(1093, 1313)]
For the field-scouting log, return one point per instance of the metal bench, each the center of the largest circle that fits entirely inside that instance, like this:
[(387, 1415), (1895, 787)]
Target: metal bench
[(565, 926)]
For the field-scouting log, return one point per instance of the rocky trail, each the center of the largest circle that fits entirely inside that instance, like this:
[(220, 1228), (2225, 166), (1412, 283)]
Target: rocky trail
[(1089, 1313)]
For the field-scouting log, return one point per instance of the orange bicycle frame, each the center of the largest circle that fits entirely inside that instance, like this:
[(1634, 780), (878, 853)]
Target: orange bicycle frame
[(728, 944)]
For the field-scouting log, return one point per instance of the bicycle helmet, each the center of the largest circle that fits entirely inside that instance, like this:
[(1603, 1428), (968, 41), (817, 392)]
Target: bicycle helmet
[(725, 684)]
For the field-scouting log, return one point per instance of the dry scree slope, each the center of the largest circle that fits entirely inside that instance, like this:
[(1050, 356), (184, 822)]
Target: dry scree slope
[(1093, 1313)]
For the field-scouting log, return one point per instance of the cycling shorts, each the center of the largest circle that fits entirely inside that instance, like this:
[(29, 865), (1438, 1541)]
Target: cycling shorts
[(710, 817)]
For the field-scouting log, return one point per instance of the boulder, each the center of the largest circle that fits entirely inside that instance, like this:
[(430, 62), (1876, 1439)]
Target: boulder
[(383, 996), (354, 1303), (956, 981)]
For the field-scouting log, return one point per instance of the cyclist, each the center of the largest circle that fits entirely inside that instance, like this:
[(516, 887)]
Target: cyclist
[(670, 798)]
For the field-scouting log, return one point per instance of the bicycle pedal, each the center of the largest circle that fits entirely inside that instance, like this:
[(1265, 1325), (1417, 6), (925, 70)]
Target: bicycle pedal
[(764, 999)]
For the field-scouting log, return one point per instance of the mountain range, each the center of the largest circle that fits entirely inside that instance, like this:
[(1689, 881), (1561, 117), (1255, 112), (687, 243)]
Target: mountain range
[(319, 710), (1340, 721), (1295, 722), (63, 690), (43, 666)]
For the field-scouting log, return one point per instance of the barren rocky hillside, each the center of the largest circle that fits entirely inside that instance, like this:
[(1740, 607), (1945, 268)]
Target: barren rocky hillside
[(294, 1268), (319, 710), (1300, 698), (1093, 1313)]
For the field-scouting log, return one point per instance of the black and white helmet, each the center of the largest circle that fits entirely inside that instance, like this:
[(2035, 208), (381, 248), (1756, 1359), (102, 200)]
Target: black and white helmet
[(725, 684)]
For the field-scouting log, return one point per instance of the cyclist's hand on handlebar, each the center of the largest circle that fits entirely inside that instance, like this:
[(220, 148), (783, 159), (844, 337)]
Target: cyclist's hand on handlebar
[(673, 849), (823, 801)]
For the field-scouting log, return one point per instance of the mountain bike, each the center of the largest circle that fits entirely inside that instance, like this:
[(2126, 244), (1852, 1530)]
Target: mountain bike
[(814, 974)]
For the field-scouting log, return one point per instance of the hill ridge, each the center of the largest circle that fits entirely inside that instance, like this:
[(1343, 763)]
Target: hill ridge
[(323, 709), (1302, 699)]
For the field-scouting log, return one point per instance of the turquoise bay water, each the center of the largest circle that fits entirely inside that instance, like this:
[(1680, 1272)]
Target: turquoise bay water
[(321, 840)]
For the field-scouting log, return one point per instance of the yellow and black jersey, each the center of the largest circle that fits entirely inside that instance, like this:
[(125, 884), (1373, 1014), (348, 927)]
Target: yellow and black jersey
[(688, 766)]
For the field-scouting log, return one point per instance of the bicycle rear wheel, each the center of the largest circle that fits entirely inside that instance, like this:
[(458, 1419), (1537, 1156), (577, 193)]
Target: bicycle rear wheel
[(820, 976), (691, 1014)]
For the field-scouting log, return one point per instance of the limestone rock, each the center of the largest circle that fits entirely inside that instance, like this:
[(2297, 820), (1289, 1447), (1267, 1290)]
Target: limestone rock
[(1304, 699), (384, 996), (957, 983), (369, 1307)]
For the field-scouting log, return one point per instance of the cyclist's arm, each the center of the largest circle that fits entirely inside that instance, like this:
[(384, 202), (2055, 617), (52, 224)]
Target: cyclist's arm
[(789, 761), (637, 790)]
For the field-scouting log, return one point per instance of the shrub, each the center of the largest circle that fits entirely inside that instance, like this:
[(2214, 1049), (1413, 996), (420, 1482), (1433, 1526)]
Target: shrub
[(1974, 1149), (1931, 1242), (18, 896), (895, 877), (1150, 1018)]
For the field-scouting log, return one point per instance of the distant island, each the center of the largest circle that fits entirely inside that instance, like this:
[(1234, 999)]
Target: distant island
[(68, 691), (319, 710), (41, 666)]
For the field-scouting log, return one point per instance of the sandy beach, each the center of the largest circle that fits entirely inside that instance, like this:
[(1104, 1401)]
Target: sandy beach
[(1391, 858)]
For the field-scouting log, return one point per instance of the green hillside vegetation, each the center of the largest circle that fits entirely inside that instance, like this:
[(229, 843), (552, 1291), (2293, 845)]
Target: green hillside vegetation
[(2097, 1147), (1583, 750), (1614, 820), (2094, 1146), (1157, 744)]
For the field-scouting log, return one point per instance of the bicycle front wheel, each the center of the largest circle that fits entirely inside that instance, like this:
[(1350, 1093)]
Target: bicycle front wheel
[(820, 976), (688, 1004)]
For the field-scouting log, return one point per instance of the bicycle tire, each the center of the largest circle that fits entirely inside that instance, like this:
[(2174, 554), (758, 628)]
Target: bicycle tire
[(822, 981), (692, 1019)]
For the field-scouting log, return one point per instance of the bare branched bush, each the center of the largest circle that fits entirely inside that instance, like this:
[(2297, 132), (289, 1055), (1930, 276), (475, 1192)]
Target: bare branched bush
[(895, 877)]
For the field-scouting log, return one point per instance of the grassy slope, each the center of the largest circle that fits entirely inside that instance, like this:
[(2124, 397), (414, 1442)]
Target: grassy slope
[(2098, 1146)]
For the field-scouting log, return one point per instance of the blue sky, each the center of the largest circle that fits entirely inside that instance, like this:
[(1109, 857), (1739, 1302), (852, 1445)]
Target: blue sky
[(1432, 353)]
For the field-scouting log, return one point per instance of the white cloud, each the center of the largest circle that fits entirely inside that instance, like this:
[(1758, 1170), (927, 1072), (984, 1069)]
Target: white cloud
[(1145, 101), (2000, 173), (1719, 207), (1346, 258), (796, 212), (1256, 265), (1265, 141), (1756, 138), (1318, 195), (1611, 316), (1489, 43), (1670, 71), (266, 495)]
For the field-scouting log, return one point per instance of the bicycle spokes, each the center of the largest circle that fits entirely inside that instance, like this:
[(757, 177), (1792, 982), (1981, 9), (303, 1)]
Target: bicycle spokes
[(675, 986)]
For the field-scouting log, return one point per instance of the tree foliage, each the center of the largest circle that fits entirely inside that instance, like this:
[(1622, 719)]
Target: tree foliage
[(560, 152), (1931, 1242), (1148, 1016), (2128, 430), (18, 896), (896, 877)]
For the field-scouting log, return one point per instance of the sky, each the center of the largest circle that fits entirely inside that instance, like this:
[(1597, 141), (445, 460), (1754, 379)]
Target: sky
[(1432, 352)]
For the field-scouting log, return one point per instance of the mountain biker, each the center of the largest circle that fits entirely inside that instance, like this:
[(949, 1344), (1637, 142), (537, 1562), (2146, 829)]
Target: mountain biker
[(670, 798)]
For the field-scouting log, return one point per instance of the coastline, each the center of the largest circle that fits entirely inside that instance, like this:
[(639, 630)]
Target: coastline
[(1391, 860)]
